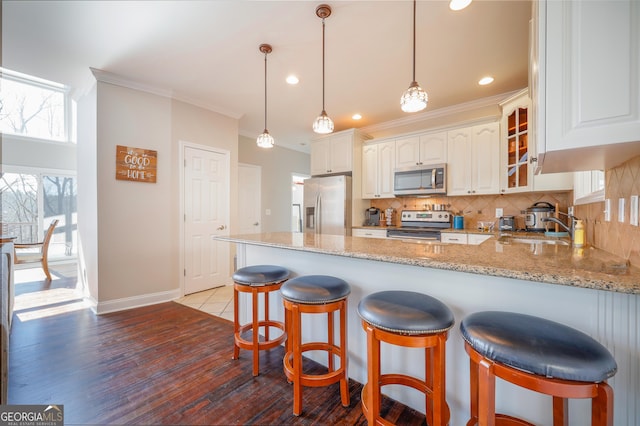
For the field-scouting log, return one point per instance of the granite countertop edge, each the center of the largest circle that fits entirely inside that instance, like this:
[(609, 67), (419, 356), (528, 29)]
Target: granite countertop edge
[(573, 278)]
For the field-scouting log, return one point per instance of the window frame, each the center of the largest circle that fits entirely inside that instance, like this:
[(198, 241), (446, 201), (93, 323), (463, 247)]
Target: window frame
[(67, 108)]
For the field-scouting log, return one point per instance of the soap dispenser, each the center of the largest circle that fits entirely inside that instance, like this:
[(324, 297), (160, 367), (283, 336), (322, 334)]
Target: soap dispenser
[(578, 234)]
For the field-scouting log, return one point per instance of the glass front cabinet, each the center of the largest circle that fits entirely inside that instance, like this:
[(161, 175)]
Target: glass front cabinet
[(516, 168)]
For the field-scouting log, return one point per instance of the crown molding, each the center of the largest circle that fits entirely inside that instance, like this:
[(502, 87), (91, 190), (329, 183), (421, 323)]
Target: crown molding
[(441, 112), (118, 80)]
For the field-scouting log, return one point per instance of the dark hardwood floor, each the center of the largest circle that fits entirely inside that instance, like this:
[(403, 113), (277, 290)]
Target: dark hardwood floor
[(164, 364)]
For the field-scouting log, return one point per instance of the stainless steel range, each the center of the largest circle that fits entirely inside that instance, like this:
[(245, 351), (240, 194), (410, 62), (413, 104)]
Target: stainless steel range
[(421, 224)]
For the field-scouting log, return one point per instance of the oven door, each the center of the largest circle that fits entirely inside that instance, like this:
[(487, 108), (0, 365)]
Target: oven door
[(417, 234)]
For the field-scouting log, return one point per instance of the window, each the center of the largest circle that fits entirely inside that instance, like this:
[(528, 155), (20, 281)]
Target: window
[(34, 108), (30, 201), (588, 187)]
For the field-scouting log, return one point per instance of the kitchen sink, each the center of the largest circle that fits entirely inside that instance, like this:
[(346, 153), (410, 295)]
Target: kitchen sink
[(523, 240)]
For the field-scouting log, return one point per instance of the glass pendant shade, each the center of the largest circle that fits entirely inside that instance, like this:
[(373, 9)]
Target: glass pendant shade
[(265, 140), (323, 124), (414, 99)]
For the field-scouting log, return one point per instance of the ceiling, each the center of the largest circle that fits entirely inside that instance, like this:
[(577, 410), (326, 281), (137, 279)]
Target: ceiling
[(206, 53)]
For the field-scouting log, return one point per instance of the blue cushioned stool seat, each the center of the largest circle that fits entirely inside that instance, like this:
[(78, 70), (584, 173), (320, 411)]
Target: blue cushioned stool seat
[(256, 280), (260, 275), (315, 289), (540, 355), (407, 319), (316, 294)]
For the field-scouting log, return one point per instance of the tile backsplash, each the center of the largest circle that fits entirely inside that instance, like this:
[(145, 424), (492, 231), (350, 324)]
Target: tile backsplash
[(621, 239), (478, 207)]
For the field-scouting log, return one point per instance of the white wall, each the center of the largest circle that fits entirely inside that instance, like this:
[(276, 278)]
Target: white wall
[(137, 223), (87, 197), (277, 166)]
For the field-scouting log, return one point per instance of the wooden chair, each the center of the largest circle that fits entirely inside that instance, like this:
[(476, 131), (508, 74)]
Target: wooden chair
[(40, 256)]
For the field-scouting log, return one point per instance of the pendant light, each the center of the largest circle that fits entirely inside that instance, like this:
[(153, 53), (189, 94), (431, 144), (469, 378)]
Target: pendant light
[(414, 99), (265, 140), (323, 123)]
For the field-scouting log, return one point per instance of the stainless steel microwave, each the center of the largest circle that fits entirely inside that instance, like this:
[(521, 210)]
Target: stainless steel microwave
[(420, 180)]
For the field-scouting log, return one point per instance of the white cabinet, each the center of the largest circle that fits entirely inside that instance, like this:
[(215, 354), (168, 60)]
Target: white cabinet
[(518, 157), (378, 162), (475, 239), (369, 233), (332, 154), (473, 156), (463, 238), (586, 69), (428, 148), (453, 237)]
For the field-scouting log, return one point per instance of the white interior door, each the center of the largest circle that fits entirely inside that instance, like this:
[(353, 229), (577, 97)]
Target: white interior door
[(249, 201), (206, 214)]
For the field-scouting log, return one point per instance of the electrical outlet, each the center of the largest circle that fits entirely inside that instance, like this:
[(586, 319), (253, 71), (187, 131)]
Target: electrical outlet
[(633, 210), (607, 210), (267, 212), (621, 210), (499, 212)]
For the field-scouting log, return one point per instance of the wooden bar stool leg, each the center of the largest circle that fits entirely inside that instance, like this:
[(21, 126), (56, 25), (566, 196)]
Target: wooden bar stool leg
[(236, 323), (473, 397), (373, 376), (438, 381), (560, 411), (428, 378), (486, 394), (297, 360), (602, 406), (266, 315), (255, 329), (330, 340), (344, 356)]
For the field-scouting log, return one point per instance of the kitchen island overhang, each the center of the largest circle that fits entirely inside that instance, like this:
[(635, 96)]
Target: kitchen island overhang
[(454, 274)]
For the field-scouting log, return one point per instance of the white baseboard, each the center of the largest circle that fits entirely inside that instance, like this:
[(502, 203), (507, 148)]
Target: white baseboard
[(133, 302)]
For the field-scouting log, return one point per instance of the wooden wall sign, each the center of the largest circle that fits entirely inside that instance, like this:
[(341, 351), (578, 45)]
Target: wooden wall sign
[(136, 164)]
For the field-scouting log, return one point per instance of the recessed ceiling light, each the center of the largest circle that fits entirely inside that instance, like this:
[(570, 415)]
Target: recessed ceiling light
[(356, 116), (485, 80), (459, 4), (292, 79)]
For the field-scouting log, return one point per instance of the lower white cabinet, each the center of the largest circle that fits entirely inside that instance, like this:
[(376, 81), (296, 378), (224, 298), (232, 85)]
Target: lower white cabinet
[(369, 233), (475, 239)]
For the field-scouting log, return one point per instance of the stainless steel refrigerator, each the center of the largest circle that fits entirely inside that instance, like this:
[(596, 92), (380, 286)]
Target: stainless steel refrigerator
[(327, 205)]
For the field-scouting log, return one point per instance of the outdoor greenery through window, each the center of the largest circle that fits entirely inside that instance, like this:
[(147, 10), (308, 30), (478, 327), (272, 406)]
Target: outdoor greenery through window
[(33, 107)]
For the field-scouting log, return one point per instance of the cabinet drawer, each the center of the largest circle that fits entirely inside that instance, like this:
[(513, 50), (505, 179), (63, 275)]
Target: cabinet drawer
[(453, 238), (475, 239), (369, 233)]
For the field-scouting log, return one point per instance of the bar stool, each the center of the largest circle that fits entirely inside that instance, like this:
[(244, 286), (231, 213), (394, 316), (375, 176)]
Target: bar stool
[(413, 320), (536, 354), (256, 280), (315, 294)]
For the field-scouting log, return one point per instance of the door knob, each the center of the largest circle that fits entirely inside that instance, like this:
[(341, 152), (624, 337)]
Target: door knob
[(221, 227), (256, 224)]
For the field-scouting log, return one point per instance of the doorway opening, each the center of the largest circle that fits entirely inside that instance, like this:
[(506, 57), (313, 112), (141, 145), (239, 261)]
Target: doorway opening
[(297, 197)]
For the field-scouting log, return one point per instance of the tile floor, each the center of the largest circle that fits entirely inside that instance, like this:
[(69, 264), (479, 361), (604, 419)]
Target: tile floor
[(217, 301)]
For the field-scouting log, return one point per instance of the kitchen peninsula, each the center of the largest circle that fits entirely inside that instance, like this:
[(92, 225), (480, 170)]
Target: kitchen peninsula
[(584, 288)]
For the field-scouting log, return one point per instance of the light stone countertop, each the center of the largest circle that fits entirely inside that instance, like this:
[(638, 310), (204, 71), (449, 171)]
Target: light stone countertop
[(553, 264)]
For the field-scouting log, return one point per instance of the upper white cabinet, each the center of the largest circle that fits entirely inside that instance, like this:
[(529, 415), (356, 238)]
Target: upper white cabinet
[(585, 67), (378, 163), (429, 148), (332, 154), (518, 157), (473, 160)]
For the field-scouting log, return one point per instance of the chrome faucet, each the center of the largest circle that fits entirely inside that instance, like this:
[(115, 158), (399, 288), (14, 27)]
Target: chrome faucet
[(570, 229)]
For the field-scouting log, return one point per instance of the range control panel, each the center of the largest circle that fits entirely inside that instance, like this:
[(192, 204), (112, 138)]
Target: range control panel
[(425, 216)]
